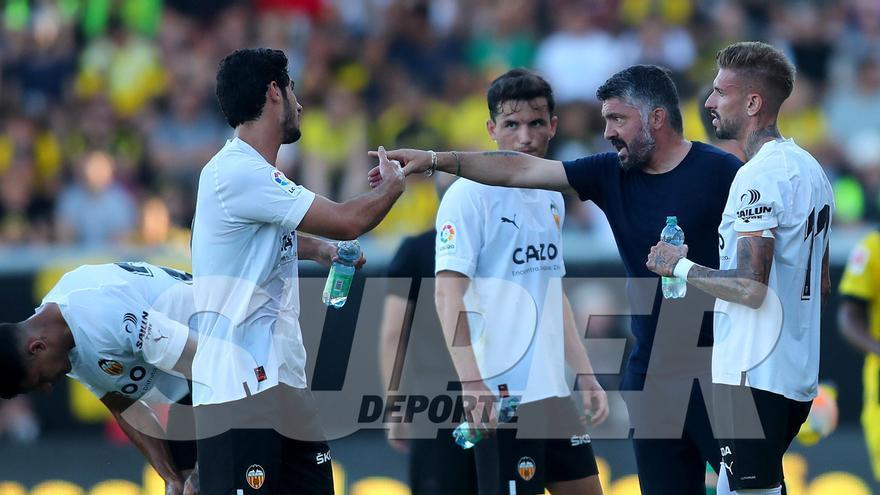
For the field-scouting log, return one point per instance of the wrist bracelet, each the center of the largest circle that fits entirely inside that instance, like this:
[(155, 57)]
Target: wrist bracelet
[(431, 170), (682, 268)]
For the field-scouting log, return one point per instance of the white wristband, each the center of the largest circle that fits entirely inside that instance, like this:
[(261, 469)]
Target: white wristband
[(682, 268)]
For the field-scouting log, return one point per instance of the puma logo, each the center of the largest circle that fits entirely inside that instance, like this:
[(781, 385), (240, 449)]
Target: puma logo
[(513, 222)]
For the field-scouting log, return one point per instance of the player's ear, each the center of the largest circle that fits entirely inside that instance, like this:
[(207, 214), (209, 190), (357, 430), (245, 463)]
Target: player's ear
[(754, 103), (658, 118), (490, 127), (554, 121), (274, 92), (35, 345)]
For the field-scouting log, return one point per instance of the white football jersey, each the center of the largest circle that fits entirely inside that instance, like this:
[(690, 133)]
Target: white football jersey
[(246, 277), (776, 347), (509, 243), (129, 323)]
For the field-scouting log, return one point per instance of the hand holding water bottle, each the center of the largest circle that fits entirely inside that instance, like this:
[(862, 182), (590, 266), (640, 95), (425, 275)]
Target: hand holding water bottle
[(665, 255), (484, 415), (348, 257)]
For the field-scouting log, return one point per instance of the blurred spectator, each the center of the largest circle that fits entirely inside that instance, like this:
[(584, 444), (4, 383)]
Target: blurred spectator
[(859, 194), (852, 108), (95, 210), (657, 43), (579, 56), (413, 48), (333, 145), (18, 421), (24, 217), (183, 139), (157, 229), (504, 37), (41, 73), (803, 117), (124, 66)]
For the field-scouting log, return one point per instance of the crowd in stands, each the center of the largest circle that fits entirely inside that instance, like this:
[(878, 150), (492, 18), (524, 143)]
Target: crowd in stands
[(107, 108)]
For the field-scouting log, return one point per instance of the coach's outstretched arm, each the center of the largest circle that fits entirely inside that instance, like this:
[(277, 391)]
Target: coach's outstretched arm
[(357, 216), (496, 168)]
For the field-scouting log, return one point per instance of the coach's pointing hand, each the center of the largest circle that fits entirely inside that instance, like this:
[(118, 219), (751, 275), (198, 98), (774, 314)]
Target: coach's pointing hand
[(412, 161), (388, 169)]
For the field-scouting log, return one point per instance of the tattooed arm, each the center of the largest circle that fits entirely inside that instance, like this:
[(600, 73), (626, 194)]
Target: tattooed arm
[(496, 168), (746, 284)]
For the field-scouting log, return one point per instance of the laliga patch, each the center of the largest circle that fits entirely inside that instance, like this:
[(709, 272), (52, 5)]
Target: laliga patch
[(285, 184), (858, 260), (255, 476), (526, 468), (446, 238)]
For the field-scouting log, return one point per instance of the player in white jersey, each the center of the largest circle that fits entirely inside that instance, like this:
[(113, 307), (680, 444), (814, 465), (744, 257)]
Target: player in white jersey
[(499, 258), (120, 330), (774, 272), (257, 423)]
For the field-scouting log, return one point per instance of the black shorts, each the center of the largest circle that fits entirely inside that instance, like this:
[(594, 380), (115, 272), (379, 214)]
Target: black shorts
[(440, 467), (252, 462), (517, 457), (758, 428), (269, 443)]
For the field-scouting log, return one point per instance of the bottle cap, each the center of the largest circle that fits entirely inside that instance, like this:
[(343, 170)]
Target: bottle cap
[(672, 220), (349, 250)]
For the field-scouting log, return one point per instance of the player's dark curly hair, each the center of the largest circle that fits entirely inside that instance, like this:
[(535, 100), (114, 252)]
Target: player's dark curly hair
[(647, 87), (518, 85), (12, 365), (243, 78)]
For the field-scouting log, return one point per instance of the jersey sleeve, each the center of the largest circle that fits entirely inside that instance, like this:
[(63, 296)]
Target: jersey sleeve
[(163, 341), (121, 323), (858, 277), (261, 193), (760, 201), (459, 231), (587, 175)]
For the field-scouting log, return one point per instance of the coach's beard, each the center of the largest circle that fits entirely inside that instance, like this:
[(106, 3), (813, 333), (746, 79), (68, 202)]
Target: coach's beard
[(638, 153)]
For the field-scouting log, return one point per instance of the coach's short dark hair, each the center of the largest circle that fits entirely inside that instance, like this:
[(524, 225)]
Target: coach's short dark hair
[(243, 78), (763, 64), (12, 365), (518, 85), (647, 87)]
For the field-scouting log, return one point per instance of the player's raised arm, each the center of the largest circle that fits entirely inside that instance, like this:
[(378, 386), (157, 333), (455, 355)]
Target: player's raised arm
[(357, 216), (497, 168)]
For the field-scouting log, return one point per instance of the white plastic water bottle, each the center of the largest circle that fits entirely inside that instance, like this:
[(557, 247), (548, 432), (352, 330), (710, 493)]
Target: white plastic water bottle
[(673, 287), (341, 273)]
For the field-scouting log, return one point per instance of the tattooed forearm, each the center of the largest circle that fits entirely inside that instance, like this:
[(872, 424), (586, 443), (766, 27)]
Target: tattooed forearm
[(500, 153), (747, 283), (758, 138)]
